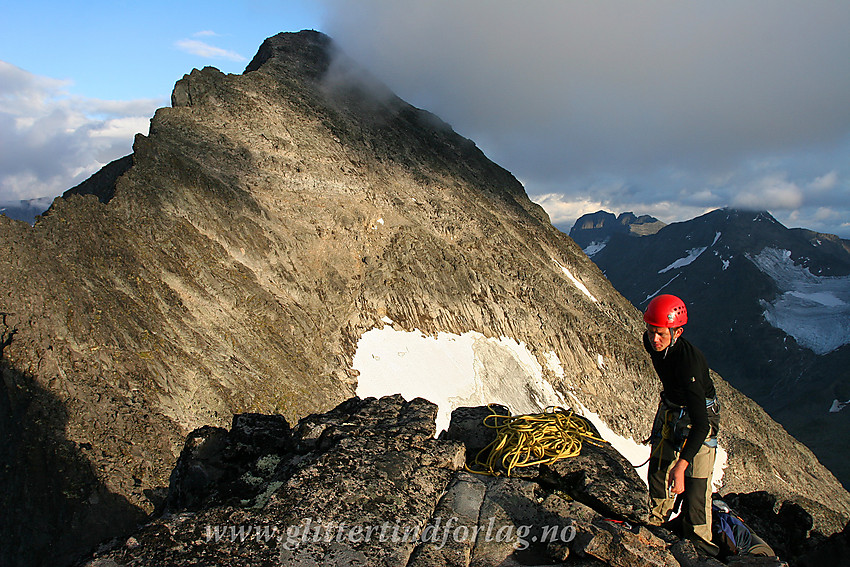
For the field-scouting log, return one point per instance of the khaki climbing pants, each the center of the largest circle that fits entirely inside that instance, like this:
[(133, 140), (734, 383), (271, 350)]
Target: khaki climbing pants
[(696, 508)]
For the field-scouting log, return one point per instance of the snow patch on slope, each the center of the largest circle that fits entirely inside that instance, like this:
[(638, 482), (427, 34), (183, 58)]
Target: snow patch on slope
[(594, 248), (657, 291), (452, 371), (690, 256), (724, 262), (815, 310), (576, 282)]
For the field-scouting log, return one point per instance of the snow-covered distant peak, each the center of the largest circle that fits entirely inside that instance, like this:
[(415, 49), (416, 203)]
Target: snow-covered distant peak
[(815, 310)]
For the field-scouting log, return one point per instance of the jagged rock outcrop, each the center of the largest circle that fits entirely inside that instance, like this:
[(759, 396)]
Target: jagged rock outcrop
[(364, 466), (266, 223), (102, 183), (368, 484)]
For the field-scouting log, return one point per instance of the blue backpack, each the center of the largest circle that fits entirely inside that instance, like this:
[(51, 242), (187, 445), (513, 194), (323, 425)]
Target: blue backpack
[(731, 534)]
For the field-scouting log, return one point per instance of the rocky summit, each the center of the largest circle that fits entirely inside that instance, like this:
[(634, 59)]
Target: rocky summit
[(233, 264), (367, 483)]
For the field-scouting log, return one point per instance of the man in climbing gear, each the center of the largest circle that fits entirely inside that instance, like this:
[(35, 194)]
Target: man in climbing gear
[(684, 433)]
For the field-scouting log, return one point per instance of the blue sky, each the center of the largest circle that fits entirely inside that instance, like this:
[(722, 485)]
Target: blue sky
[(666, 108), (122, 50)]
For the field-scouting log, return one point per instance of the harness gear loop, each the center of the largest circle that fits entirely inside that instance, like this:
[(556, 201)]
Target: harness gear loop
[(532, 439)]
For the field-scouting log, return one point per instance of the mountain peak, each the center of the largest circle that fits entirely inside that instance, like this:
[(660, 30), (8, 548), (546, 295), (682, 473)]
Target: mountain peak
[(307, 52), (591, 231), (742, 215)]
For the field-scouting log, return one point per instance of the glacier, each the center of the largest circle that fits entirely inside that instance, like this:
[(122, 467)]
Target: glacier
[(594, 248), (815, 310)]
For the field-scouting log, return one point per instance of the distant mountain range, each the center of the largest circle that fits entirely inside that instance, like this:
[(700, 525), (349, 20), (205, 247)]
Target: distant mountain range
[(26, 209), (769, 306)]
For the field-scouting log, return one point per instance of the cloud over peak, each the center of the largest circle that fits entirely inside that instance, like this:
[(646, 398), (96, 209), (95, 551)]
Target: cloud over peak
[(667, 97), (203, 49)]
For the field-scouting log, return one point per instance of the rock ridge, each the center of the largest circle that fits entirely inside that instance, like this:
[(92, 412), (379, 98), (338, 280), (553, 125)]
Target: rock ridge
[(367, 483)]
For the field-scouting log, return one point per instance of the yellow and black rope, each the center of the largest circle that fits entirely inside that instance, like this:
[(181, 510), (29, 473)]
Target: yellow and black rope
[(532, 439)]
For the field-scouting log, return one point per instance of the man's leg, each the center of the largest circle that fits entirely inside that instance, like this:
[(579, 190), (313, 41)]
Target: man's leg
[(662, 500), (697, 519)]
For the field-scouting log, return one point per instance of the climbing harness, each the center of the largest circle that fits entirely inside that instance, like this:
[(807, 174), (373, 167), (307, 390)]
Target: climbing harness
[(675, 425), (532, 439)]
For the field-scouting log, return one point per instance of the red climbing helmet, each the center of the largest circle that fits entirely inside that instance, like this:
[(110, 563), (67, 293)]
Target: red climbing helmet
[(666, 311)]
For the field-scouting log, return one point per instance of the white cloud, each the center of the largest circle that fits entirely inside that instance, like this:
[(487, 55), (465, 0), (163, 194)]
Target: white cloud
[(23, 93), (773, 192), (825, 214), (203, 49), (120, 128), (116, 108), (825, 182), (52, 141), (561, 210), (704, 196), (205, 33)]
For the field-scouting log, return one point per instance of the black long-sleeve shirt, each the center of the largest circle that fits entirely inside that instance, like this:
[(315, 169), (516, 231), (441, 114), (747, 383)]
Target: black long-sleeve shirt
[(684, 377)]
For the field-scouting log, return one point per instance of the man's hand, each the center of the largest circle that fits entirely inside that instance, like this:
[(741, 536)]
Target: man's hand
[(676, 478)]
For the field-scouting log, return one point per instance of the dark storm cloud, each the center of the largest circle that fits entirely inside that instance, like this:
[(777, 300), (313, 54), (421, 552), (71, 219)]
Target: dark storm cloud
[(697, 104)]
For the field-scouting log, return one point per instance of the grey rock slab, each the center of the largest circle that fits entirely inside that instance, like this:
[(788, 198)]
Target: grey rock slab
[(603, 479)]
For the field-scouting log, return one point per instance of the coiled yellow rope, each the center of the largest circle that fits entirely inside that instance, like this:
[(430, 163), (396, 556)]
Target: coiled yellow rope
[(532, 439)]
